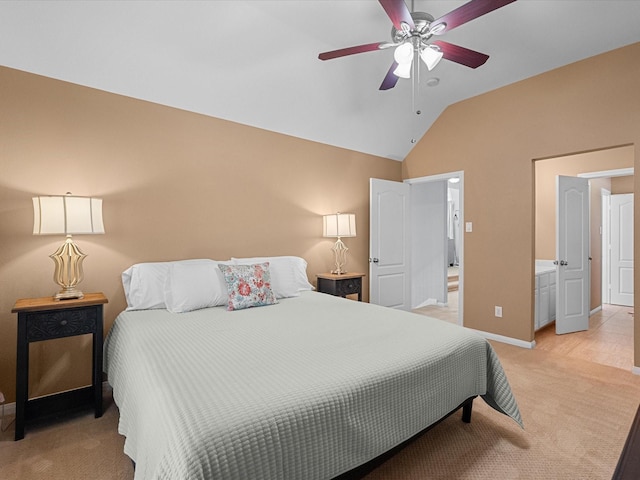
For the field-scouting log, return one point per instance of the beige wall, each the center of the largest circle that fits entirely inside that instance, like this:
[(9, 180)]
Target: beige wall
[(175, 185), (495, 138), (620, 185), (545, 203)]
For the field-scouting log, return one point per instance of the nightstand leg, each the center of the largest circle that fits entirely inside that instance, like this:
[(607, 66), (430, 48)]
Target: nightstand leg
[(22, 378), (97, 365)]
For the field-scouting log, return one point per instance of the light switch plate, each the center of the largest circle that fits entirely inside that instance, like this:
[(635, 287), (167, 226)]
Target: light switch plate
[(468, 227)]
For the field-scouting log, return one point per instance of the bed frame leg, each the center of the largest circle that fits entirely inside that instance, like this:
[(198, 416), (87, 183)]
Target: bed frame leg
[(466, 410)]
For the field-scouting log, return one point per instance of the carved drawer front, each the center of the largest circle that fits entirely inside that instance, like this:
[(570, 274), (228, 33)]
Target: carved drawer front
[(348, 287), (61, 323)]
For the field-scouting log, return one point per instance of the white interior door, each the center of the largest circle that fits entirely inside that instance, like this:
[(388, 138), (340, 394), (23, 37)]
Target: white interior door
[(621, 264), (389, 247), (572, 254)]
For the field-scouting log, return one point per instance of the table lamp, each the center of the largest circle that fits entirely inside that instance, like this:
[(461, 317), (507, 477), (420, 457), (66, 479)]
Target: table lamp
[(339, 225), (67, 215)]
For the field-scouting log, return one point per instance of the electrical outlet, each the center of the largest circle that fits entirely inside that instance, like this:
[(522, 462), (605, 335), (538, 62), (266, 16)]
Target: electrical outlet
[(498, 311)]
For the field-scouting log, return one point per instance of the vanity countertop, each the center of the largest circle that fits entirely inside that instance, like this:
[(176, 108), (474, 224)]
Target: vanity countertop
[(541, 270), (544, 266)]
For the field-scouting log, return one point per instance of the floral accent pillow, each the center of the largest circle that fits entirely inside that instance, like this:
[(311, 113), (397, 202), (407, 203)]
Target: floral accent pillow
[(248, 285)]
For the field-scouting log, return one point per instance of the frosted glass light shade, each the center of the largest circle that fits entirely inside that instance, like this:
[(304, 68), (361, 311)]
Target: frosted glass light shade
[(431, 57), (403, 70), (403, 53)]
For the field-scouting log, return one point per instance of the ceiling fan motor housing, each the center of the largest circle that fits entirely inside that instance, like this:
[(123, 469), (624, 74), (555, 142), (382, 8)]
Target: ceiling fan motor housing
[(422, 22)]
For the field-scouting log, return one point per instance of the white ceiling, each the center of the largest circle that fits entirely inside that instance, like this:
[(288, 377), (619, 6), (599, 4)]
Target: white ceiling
[(255, 61)]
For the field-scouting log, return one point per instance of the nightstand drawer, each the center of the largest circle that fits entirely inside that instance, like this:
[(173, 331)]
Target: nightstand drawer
[(341, 285), (348, 287), (61, 323)]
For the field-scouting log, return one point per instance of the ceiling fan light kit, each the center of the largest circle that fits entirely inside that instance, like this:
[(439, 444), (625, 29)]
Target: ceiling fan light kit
[(431, 56), (411, 35)]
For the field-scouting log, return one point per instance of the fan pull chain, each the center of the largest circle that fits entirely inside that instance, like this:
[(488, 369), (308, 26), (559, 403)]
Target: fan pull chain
[(415, 81)]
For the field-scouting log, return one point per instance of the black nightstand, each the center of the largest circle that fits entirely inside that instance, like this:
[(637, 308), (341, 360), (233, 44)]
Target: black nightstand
[(45, 319), (341, 285)]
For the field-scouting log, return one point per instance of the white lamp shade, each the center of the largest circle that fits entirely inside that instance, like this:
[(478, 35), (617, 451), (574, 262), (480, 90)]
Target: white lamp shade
[(431, 57), (339, 225), (67, 215)]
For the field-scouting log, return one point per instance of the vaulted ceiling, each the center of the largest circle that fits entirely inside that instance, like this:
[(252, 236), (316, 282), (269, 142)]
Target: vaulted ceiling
[(255, 62)]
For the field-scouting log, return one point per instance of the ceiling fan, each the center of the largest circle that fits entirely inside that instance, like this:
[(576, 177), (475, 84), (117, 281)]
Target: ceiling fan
[(411, 36)]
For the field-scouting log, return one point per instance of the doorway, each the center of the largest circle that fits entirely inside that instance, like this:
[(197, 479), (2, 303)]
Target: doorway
[(441, 296), (408, 243), (610, 326)]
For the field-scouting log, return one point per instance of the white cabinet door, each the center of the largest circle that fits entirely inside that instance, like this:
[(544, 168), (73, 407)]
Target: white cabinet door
[(545, 298), (552, 296)]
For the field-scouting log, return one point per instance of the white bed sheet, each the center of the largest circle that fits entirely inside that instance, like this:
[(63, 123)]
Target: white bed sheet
[(305, 389)]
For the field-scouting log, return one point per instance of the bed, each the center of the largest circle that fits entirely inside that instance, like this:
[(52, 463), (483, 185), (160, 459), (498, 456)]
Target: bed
[(307, 387)]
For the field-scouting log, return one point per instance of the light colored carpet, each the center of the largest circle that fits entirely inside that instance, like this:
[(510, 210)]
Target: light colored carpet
[(577, 415)]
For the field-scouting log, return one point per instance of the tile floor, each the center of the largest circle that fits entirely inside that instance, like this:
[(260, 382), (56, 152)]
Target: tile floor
[(609, 340)]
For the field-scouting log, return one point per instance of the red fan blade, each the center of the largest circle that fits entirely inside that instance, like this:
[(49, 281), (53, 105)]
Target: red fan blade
[(467, 12), (398, 13), (390, 80), (461, 55), (343, 52)]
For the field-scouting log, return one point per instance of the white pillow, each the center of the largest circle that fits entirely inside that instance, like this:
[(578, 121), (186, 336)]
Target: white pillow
[(144, 284), (192, 286), (288, 274)]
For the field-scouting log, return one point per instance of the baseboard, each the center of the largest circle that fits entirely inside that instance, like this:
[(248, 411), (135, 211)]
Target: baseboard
[(9, 409), (427, 303), (508, 340), (595, 310)]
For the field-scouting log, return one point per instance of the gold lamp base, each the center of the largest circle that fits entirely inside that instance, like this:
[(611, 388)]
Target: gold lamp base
[(69, 294), (68, 273)]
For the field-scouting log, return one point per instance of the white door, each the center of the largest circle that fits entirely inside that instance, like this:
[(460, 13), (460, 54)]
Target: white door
[(572, 254), (621, 264), (389, 247)]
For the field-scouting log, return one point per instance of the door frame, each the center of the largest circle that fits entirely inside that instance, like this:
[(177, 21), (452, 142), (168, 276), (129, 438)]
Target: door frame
[(619, 172), (445, 177), (605, 267)]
